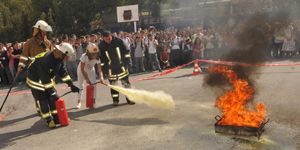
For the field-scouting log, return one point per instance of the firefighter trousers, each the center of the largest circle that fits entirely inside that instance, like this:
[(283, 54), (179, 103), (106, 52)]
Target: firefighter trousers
[(115, 94), (47, 106)]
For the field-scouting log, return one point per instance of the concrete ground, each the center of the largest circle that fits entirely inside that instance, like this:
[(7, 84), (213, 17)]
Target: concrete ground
[(138, 127)]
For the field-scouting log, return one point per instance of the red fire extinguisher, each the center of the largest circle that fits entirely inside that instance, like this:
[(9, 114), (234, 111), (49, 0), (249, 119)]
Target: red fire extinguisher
[(90, 100), (62, 112)]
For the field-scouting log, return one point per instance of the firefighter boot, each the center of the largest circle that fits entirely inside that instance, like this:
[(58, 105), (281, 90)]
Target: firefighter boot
[(129, 102), (115, 103), (55, 119), (51, 123)]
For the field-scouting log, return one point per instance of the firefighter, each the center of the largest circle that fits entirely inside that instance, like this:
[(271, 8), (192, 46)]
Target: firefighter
[(115, 60), (35, 45), (40, 78)]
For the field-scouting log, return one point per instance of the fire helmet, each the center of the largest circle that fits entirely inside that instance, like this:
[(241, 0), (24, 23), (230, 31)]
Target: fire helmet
[(92, 48), (43, 25), (66, 49)]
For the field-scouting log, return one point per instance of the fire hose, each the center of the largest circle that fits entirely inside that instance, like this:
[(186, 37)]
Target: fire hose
[(79, 89), (10, 88)]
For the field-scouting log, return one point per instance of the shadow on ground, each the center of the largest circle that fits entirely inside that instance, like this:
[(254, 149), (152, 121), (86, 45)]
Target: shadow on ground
[(129, 121), (8, 139), (14, 121), (77, 114)]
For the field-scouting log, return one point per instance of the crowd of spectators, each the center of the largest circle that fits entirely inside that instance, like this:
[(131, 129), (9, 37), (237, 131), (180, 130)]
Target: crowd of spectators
[(153, 49)]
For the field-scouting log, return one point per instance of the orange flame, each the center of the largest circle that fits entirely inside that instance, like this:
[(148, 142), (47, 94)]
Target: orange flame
[(233, 103)]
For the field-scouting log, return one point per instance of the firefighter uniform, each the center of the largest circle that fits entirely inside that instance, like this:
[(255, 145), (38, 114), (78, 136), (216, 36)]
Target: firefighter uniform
[(115, 60), (31, 49), (40, 78)]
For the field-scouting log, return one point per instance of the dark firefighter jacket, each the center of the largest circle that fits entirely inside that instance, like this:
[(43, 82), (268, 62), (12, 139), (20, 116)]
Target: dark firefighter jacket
[(115, 59), (43, 70)]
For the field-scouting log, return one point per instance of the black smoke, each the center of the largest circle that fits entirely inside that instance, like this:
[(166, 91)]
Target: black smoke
[(253, 41)]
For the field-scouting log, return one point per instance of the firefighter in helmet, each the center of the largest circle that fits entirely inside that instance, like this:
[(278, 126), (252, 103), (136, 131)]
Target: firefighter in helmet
[(35, 45), (40, 78), (115, 60)]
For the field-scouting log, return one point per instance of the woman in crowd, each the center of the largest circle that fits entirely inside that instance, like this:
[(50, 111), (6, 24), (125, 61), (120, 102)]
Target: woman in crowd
[(198, 49), (12, 59), (139, 54)]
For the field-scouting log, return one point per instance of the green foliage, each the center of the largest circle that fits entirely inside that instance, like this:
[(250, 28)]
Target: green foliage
[(65, 16)]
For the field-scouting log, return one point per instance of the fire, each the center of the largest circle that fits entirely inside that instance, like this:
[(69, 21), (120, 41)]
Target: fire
[(233, 103)]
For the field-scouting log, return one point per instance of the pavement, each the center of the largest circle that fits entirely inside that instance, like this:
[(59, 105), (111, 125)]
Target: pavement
[(138, 127)]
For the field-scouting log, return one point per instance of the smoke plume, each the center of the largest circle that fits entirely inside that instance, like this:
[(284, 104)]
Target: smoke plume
[(253, 41)]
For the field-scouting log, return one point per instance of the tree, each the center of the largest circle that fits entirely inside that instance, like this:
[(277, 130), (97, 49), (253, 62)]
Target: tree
[(65, 16), (43, 16), (96, 23)]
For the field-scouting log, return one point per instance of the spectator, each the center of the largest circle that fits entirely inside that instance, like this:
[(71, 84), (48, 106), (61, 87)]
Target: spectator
[(175, 58), (79, 50), (17, 51), (164, 57), (289, 46), (153, 60), (187, 48), (127, 42), (209, 46), (70, 63), (11, 63), (198, 49), (139, 54), (5, 72)]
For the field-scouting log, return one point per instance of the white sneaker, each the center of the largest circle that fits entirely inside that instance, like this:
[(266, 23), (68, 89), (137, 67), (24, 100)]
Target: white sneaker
[(78, 105)]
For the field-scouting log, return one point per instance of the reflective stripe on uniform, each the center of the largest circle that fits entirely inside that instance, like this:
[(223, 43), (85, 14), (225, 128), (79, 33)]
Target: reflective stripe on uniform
[(115, 95), (38, 85), (119, 54), (54, 112), (124, 75), (34, 86), (127, 56), (107, 55), (46, 115), (35, 83), (67, 78), (53, 94), (112, 78), (110, 73), (49, 85), (118, 76)]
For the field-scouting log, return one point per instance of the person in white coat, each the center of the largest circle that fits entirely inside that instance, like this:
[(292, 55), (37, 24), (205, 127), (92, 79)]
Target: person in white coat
[(86, 70)]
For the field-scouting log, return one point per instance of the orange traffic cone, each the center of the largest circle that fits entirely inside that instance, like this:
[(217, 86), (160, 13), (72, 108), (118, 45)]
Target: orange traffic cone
[(196, 69)]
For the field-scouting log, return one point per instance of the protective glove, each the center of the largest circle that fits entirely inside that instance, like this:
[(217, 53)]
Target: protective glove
[(74, 88)]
